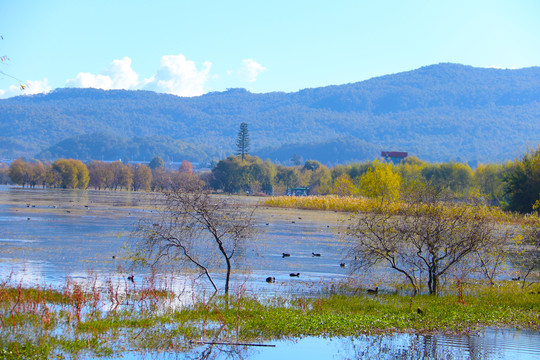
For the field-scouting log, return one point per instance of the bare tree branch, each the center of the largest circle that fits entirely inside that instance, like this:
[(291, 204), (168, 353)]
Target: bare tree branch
[(193, 226)]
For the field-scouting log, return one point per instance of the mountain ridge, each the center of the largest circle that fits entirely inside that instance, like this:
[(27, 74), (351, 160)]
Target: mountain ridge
[(437, 112)]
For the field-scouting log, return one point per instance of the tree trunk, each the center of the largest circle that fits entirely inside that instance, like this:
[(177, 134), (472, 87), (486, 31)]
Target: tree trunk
[(433, 281), (228, 276)]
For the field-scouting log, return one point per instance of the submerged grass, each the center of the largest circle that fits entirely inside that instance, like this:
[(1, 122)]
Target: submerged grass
[(44, 323)]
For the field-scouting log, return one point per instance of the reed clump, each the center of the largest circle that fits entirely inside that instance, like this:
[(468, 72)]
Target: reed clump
[(366, 205)]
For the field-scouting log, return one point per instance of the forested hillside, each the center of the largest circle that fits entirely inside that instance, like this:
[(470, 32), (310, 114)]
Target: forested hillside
[(438, 113)]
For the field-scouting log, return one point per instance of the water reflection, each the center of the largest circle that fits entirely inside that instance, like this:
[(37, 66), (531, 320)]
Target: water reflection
[(488, 344)]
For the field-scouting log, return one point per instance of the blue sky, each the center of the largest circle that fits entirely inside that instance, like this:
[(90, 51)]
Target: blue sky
[(189, 48)]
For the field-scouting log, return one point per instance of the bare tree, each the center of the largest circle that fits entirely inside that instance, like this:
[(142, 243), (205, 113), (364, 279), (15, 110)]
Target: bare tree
[(428, 236), (194, 226), (491, 258), (528, 256)]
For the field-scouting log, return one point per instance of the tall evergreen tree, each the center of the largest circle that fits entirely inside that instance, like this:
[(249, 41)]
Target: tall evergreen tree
[(242, 140)]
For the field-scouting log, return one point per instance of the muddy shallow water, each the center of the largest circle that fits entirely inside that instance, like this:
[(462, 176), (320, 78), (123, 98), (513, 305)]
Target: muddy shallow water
[(49, 235)]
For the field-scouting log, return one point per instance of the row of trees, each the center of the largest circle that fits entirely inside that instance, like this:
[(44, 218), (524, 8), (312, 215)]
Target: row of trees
[(73, 174), (369, 179), (65, 173), (513, 185)]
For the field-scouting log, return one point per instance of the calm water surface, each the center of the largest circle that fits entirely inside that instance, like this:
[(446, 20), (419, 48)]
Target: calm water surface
[(487, 344), (48, 235)]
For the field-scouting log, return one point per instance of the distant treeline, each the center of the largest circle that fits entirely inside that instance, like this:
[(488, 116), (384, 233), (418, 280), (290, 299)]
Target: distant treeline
[(513, 185)]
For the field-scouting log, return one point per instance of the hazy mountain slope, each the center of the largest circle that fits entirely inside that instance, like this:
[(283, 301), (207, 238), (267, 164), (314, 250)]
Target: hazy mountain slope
[(439, 112), (99, 146)]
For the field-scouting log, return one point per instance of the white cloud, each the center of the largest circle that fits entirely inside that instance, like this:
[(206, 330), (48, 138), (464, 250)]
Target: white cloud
[(31, 87), (119, 75), (502, 67), (176, 75), (250, 70), (180, 76), (11, 91), (36, 87)]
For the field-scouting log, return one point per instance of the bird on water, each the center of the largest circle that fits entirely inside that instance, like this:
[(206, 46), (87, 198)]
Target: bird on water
[(373, 291)]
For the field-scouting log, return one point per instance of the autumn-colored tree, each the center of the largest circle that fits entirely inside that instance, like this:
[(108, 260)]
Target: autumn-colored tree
[(322, 178), (73, 173), (344, 186), (83, 178), (160, 179), (52, 178), (411, 172), (122, 176), (34, 173), (453, 176), (488, 180), (261, 175), (186, 167), (96, 171), (380, 182), (142, 178), (16, 172)]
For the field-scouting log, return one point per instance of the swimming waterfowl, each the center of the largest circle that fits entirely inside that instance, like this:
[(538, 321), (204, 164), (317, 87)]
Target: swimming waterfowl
[(294, 274)]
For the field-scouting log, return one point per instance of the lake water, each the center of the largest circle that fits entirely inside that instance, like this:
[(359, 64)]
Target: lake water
[(488, 344), (48, 235)]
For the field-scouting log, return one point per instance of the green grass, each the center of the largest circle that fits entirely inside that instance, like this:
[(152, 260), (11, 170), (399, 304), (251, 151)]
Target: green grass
[(47, 324)]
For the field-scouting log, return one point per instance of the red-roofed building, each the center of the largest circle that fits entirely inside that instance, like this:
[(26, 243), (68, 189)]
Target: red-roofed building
[(394, 156)]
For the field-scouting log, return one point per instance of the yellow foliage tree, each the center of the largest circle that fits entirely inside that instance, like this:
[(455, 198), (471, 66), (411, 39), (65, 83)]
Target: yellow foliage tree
[(380, 182), (73, 173), (344, 186)]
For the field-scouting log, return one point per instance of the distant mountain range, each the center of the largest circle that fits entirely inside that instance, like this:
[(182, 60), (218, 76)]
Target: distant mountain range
[(439, 113)]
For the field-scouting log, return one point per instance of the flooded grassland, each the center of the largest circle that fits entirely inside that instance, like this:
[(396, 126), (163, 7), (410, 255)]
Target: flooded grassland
[(66, 292)]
